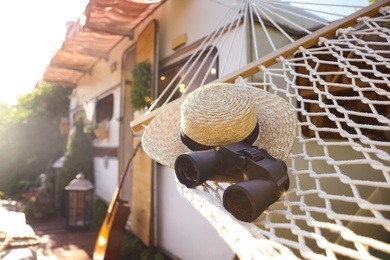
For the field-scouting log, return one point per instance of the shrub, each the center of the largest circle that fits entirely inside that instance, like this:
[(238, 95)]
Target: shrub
[(99, 211), (78, 158), (132, 248)]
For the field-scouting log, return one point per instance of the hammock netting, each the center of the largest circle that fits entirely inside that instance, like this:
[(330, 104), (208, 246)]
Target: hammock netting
[(338, 204), (339, 201)]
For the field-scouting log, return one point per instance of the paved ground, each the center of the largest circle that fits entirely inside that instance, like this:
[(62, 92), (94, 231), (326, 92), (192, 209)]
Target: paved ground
[(58, 243)]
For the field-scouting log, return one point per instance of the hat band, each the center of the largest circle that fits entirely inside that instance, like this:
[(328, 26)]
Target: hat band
[(195, 146)]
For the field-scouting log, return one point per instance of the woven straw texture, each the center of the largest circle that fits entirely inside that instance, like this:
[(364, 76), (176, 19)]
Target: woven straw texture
[(277, 124), (218, 115)]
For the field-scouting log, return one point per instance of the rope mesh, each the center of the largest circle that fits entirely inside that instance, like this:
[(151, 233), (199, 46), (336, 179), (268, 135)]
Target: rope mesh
[(338, 204)]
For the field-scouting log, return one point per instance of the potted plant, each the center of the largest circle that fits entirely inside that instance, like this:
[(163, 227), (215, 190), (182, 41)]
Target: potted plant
[(140, 92)]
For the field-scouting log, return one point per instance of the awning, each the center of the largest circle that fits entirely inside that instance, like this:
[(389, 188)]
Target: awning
[(107, 23)]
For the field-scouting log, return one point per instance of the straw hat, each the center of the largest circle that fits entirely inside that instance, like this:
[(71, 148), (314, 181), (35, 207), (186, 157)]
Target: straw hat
[(220, 114)]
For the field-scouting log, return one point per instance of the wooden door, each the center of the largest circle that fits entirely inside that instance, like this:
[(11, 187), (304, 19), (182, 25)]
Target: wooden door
[(142, 181)]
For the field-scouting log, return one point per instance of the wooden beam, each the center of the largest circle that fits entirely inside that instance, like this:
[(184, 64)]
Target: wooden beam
[(138, 124), (271, 58)]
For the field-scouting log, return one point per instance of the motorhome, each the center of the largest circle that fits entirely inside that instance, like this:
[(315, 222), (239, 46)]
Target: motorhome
[(187, 44)]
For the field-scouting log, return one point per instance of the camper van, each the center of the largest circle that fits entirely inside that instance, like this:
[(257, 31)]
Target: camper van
[(177, 46)]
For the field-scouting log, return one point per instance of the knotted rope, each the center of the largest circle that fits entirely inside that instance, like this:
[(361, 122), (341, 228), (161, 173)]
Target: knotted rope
[(8, 242)]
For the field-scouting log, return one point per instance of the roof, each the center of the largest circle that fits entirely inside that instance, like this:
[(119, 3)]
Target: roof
[(107, 23)]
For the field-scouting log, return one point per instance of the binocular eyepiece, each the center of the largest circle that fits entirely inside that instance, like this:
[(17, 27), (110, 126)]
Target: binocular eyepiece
[(265, 177)]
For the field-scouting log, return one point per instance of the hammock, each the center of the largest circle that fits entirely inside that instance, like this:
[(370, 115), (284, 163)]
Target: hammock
[(338, 204)]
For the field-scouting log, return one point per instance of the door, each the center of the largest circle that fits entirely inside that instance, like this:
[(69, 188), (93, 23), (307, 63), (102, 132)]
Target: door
[(138, 186)]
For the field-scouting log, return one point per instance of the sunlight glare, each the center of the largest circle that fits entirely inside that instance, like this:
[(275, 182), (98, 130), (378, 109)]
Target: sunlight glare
[(31, 36)]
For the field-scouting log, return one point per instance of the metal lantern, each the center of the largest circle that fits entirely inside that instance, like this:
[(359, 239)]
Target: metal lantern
[(79, 206)]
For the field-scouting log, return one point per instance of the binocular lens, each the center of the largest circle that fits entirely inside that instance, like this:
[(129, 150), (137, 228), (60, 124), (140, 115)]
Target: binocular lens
[(193, 169), (239, 203), (247, 200), (187, 171)]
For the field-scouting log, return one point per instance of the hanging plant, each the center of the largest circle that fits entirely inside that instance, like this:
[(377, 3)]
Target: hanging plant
[(140, 93)]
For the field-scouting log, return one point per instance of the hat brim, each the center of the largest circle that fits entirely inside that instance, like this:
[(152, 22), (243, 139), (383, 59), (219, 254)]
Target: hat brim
[(276, 117)]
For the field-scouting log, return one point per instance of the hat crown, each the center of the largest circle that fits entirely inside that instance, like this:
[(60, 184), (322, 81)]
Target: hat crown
[(218, 114)]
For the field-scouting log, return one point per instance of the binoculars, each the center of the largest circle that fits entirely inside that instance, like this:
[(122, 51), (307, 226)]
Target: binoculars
[(265, 177)]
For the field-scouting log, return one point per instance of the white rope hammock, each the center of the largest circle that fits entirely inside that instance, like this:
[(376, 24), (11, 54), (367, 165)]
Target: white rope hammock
[(338, 204)]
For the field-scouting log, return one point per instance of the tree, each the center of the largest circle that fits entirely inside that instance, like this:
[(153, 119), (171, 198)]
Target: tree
[(6, 151), (30, 140), (78, 158)]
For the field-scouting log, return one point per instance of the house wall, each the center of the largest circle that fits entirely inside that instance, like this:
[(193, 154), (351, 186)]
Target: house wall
[(196, 18), (183, 231), (102, 81)]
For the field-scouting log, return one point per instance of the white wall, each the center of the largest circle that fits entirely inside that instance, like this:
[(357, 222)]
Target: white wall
[(183, 231), (106, 177), (102, 78), (196, 18), (106, 169)]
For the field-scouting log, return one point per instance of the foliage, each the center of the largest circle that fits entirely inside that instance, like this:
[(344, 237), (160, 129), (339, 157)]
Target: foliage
[(99, 211), (30, 140), (132, 248), (140, 92), (78, 158), (38, 202), (47, 101), (89, 130)]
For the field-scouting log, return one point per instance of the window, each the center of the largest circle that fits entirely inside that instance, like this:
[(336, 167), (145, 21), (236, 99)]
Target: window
[(202, 70), (104, 108)]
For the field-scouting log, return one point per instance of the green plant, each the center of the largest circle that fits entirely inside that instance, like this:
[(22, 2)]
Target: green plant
[(89, 131), (140, 92), (99, 211), (38, 206), (132, 248), (78, 158), (37, 202), (30, 138), (90, 128)]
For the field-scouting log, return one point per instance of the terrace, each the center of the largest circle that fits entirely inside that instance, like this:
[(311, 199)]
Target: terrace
[(56, 242)]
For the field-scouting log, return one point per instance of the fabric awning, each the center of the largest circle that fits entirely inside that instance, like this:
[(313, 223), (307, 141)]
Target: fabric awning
[(107, 23)]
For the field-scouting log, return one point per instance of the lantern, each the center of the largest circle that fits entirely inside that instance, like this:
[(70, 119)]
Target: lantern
[(79, 203)]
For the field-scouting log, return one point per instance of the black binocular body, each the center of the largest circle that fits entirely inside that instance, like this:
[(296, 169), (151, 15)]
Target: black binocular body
[(265, 177)]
